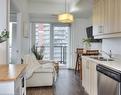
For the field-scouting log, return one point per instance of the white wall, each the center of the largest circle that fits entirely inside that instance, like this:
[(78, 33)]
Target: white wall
[(4, 18), (42, 18), (3, 59), (45, 8), (25, 39), (3, 14), (22, 26), (13, 17), (96, 45), (113, 44), (78, 32)]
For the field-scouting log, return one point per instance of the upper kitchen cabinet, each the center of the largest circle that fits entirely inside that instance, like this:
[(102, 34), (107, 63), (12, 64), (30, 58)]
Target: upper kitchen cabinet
[(106, 18), (98, 18)]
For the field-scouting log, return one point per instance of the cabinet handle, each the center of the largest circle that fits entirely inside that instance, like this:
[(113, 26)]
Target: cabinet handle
[(22, 81), (101, 29)]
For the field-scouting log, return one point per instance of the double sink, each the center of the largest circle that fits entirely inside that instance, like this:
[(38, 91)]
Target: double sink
[(101, 58)]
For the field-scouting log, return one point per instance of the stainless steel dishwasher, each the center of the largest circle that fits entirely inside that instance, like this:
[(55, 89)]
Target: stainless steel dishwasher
[(109, 81)]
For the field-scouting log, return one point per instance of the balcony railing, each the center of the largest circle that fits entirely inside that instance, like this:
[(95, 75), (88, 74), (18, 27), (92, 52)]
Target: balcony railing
[(58, 53)]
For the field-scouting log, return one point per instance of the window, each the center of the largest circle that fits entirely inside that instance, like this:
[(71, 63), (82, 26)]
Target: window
[(54, 38)]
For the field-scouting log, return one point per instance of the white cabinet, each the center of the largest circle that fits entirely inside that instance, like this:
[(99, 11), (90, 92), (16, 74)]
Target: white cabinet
[(106, 18), (20, 86), (86, 75), (89, 76), (93, 78), (15, 87), (98, 17)]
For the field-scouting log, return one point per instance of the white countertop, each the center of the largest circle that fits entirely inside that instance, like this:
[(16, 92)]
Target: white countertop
[(116, 64)]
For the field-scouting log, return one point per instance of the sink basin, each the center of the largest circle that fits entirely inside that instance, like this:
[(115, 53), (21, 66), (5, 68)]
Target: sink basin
[(102, 58)]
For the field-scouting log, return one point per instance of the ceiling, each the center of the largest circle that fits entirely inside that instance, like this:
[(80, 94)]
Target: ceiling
[(80, 8), (48, 1)]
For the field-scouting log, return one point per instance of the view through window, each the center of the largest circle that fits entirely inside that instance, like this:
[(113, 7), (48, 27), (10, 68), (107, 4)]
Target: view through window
[(54, 39)]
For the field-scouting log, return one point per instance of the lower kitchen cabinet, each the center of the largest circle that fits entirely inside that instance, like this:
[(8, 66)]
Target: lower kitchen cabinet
[(85, 75), (89, 76)]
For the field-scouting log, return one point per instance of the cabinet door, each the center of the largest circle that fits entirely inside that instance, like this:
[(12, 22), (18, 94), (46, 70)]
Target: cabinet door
[(83, 72), (98, 18), (101, 17), (95, 20), (93, 78), (87, 78), (18, 86), (85, 75), (117, 17), (113, 16), (106, 18)]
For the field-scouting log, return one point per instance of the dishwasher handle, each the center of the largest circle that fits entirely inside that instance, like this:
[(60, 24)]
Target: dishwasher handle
[(116, 75)]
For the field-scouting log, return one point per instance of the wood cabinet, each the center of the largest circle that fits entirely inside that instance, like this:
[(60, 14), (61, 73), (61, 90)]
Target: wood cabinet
[(106, 18), (89, 79)]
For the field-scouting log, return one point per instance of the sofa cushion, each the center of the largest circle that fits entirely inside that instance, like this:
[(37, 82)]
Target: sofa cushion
[(47, 65), (44, 70)]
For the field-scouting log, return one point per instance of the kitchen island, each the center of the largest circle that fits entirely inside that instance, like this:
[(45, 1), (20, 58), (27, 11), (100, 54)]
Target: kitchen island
[(12, 79)]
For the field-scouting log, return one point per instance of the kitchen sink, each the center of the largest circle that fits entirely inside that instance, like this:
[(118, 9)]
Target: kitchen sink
[(102, 58)]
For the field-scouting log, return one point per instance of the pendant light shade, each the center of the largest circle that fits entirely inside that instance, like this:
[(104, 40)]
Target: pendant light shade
[(65, 17)]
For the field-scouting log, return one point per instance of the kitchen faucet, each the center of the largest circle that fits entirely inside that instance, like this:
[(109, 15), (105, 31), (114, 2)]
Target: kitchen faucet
[(108, 54)]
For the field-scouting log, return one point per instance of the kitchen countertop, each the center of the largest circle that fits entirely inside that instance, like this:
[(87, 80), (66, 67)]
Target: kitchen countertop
[(116, 64), (10, 72)]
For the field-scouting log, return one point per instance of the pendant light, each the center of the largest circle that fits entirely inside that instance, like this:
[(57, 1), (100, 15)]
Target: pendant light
[(65, 17)]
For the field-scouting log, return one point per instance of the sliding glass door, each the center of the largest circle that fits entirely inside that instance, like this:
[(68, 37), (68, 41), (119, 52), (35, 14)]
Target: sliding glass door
[(54, 38), (60, 40), (42, 38)]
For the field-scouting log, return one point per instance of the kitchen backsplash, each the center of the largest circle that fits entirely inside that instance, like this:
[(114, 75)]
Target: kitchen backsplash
[(113, 44), (97, 46)]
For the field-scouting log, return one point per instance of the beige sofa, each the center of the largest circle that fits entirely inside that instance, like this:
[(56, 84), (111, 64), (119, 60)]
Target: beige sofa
[(40, 73)]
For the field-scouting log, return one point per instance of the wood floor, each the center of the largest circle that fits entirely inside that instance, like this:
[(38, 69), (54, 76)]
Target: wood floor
[(67, 84)]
